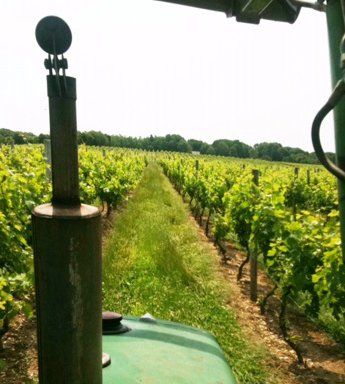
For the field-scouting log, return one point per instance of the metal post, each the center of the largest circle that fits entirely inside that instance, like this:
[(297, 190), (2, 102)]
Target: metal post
[(63, 131), (336, 30), (67, 254)]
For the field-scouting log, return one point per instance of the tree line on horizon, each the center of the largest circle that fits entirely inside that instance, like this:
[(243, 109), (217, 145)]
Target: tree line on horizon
[(176, 143)]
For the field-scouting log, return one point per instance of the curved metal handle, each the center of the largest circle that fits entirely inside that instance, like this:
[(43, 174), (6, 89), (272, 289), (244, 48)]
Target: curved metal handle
[(338, 93)]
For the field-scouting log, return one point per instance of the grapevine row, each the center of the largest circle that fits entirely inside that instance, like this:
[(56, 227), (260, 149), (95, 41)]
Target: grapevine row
[(106, 177), (289, 220)]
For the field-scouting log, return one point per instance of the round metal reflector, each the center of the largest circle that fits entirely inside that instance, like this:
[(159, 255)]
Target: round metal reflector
[(53, 35)]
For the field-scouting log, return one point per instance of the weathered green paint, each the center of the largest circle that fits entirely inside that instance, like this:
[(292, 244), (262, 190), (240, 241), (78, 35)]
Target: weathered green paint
[(164, 352), (336, 31)]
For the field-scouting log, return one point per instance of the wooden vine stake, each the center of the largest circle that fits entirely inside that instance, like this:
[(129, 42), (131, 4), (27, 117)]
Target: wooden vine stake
[(294, 205), (254, 256), (197, 168), (296, 172)]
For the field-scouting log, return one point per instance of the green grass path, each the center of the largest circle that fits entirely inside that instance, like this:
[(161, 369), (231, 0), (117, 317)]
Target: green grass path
[(155, 261)]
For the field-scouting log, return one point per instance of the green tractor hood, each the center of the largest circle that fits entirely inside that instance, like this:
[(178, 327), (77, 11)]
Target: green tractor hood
[(162, 352)]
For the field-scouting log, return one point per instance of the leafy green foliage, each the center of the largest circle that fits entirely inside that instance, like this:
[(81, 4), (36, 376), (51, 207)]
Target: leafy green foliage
[(329, 276), (241, 202), (290, 219), (14, 297), (23, 185), (108, 175)]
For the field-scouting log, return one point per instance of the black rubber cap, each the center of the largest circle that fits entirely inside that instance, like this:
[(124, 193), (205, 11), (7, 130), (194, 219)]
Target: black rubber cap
[(111, 323)]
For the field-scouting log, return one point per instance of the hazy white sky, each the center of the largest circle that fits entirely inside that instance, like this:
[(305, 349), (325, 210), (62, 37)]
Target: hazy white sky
[(148, 67)]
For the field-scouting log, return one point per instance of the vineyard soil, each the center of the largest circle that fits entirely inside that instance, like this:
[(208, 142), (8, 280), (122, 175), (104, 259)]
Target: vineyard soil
[(18, 359)]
